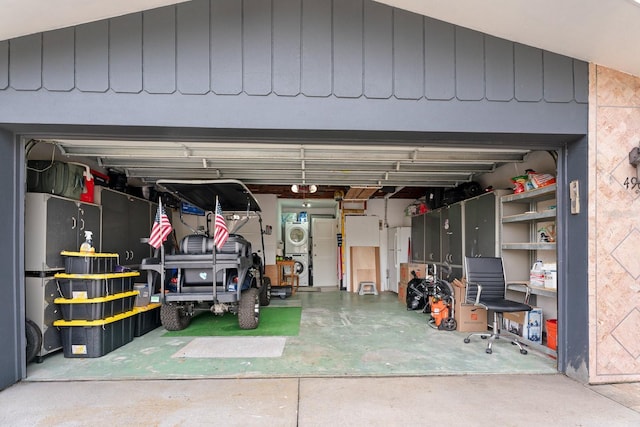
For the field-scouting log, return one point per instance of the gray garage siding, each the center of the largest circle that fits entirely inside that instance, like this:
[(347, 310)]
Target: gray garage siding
[(330, 58)]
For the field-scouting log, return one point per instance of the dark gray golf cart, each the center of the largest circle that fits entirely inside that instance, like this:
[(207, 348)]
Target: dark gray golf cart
[(198, 276)]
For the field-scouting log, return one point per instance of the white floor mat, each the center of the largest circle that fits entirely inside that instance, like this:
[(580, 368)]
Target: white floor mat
[(214, 347)]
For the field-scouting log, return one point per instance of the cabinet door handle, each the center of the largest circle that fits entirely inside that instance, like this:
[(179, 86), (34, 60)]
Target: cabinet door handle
[(74, 222), (81, 224), (131, 255)]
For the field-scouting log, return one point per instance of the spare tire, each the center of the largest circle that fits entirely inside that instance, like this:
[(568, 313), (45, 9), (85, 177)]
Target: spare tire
[(34, 339), (471, 189)]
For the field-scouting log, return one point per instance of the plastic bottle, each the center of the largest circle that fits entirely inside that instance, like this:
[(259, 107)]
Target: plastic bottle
[(536, 276), (87, 245)]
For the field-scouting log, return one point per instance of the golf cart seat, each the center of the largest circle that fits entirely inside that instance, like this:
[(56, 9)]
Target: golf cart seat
[(235, 246), (195, 262)]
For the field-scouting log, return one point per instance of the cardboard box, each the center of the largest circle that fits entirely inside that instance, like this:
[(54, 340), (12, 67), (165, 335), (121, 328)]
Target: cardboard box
[(402, 293), (527, 324), (468, 317), (407, 268)]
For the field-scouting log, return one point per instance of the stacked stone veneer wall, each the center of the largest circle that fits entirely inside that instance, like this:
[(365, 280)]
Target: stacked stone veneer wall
[(614, 227)]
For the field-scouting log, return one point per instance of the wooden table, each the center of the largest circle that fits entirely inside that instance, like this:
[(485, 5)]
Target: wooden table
[(287, 276)]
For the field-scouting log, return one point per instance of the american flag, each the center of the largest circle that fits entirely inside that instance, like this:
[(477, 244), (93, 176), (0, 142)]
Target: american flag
[(221, 232), (161, 228)]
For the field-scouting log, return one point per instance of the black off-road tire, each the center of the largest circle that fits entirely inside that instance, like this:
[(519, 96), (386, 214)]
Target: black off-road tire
[(34, 339), (173, 317), (265, 292), (249, 309)]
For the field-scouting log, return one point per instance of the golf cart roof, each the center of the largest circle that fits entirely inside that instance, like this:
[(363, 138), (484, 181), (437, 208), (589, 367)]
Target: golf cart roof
[(232, 194)]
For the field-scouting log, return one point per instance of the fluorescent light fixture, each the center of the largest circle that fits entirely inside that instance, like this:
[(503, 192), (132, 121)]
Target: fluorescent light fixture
[(295, 188)]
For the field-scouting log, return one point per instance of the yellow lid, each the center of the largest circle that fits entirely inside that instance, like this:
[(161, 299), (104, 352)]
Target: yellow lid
[(89, 254), (99, 322), (146, 308), (96, 276), (95, 300)]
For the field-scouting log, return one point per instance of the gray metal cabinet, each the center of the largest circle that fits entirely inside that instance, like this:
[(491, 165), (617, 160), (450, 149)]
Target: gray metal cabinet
[(54, 224), (451, 240), (481, 227), (125, 221), (418, 238), (467, 228), (432, 237), (451, 231)]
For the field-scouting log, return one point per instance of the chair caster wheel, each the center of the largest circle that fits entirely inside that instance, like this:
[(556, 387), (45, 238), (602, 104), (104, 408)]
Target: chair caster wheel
[(467, 340), (488, 351), (483, 337), (523, 351)]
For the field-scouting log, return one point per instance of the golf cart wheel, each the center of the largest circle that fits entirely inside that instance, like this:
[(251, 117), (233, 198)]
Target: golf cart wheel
[(34, 339), (265, 292), (173, 317), (449, 324), (249, 309)]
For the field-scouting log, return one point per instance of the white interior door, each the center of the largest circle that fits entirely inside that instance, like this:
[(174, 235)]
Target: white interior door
[(325, 251), (392, 259)]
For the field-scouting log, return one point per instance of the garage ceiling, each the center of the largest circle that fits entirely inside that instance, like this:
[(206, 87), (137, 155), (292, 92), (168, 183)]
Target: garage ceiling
[(403, 170)]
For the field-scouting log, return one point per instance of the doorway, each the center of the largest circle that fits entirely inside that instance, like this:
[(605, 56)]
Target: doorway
[(324, 252)]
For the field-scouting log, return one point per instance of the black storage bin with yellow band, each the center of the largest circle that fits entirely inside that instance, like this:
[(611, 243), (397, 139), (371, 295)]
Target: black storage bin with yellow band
[(95, 338), (95, 285), (96, 308), (89, 262), (147, 318)]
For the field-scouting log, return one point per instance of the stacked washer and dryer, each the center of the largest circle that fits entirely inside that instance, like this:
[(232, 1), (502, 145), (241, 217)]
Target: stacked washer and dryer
[(296, 247)]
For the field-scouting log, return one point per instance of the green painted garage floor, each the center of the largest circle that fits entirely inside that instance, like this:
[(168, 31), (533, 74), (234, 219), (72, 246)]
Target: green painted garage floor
[(341, 334)]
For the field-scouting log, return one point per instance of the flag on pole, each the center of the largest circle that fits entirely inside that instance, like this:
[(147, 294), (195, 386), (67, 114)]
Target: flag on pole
[(220, 232), (161, 228)]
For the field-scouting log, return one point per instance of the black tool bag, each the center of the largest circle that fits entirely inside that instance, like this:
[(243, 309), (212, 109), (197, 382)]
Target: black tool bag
[(54, 177), (416, 298)]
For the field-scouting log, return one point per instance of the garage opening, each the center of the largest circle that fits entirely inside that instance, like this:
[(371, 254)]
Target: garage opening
[(378, 212)]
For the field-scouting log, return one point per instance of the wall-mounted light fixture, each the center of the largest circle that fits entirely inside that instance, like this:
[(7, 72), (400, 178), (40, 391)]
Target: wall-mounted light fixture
[(295, 188), (634, 160)]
